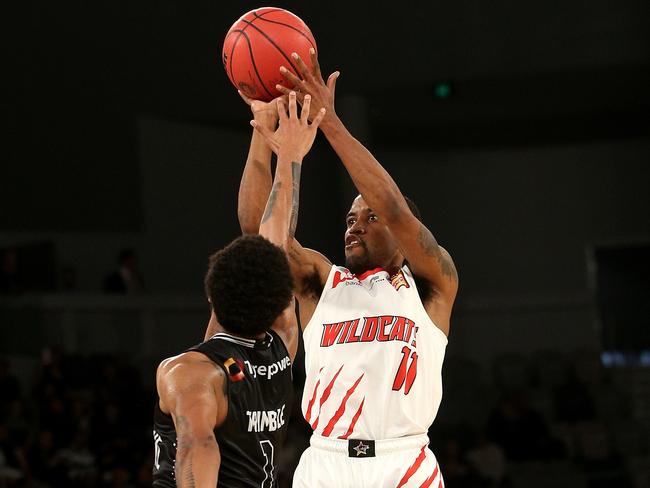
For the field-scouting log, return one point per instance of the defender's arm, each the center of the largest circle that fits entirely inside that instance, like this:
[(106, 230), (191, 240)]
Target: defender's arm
[(191, 390)]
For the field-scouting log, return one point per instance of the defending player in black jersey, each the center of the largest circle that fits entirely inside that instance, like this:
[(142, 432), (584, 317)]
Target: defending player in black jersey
[(223, 405)]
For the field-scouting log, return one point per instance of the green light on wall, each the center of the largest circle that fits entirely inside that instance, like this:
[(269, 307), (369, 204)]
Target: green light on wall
[(442, 90)]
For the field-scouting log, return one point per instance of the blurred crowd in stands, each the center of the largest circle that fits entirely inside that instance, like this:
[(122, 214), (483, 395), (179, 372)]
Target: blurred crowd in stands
[(85, 422), (33, 268), (547, 421)]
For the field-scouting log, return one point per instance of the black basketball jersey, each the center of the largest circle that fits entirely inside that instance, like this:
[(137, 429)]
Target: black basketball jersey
[(259, 403)]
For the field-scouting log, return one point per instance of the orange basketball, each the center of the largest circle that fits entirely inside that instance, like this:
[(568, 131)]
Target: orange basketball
[(259, 43)]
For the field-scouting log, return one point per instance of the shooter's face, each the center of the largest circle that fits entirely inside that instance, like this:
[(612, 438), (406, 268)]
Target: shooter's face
[(369, 243)]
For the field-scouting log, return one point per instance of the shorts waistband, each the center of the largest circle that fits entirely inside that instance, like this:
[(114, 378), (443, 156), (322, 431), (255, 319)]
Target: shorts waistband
[(384, 446)]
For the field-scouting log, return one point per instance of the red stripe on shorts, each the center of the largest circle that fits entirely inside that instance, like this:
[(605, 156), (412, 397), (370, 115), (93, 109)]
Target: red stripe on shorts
[(414, 467), (430, 479)]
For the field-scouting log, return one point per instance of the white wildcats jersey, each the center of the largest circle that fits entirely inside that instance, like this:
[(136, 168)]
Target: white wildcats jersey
[(373, 358)]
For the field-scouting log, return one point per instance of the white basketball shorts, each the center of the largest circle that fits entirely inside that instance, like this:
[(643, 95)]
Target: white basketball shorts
[(392, 463)]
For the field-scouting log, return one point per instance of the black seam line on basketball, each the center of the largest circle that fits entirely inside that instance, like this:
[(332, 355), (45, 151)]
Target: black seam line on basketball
[(286, 25), (250, 50), (274, 45), (267, 12), (241, 31), (234, 44), (250, 22)]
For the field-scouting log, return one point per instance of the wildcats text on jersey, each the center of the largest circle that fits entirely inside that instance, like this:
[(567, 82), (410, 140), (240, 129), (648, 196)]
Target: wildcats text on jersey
[(382, 328)]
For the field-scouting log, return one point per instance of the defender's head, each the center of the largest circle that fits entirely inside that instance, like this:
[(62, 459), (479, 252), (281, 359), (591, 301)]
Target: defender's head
[(249, 285), (369, 243)]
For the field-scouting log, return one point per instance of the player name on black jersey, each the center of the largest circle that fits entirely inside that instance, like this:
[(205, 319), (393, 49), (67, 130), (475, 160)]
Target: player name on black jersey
[(260, 421)]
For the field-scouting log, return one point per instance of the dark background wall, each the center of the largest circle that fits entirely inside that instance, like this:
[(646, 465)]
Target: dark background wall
[(81, 75), (121, 129)]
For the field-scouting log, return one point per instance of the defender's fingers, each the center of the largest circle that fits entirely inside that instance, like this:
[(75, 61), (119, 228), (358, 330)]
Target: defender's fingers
[(293, 106), (285, 98), (266, 133), (282, 109), (306, 103), (245, 98)]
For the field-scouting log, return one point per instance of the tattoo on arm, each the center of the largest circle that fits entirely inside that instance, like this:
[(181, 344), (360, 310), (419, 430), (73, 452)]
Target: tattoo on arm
[(188, 476), (428, 242), (184, 454), (185, 444), (430, 247), (295, 201), (272, 198)]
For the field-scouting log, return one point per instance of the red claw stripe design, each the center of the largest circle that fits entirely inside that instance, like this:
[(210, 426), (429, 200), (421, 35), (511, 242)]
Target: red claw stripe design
[(414, 467), (431, 478), (354, 421), (339, 411), (311, 402), (313, 399), (326, 395)]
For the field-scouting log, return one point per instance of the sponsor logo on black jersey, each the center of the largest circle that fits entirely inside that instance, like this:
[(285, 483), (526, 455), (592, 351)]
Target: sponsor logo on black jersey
[(268, 371)]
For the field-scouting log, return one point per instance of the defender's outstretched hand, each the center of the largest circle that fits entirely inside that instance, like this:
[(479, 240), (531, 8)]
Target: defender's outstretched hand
[(295, 135), (322, 94)]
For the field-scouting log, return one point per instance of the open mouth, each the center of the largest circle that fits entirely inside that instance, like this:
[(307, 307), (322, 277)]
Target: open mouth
[(352, 242)]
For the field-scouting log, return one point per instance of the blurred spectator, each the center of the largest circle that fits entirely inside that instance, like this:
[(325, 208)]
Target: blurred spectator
[(10, 466), (68, 279), (521, 431), (17, 419), (572, 400), (79, 461), (44, 461), (454, 469), (488, 461), (127, 278), (9, 387), (11, 279)]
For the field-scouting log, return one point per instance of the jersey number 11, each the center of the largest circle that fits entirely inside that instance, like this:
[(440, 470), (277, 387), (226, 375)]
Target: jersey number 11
[(406, 373)]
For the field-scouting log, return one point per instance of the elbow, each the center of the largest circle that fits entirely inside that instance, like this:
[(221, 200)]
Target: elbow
[(248, 225), (189, 441)]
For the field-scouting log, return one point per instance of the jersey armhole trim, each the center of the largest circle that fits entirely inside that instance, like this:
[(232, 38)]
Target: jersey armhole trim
[(441, 335), (326, 286)]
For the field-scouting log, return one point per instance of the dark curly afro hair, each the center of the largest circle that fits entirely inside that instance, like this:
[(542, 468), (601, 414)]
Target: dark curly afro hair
[(249, 284)]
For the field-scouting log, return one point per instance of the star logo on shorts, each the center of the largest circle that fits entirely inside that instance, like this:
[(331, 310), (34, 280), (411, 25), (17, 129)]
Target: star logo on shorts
[(361, 448)]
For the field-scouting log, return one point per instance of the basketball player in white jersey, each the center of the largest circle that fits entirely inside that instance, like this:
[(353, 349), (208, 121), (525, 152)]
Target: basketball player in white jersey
[(375, 331)]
